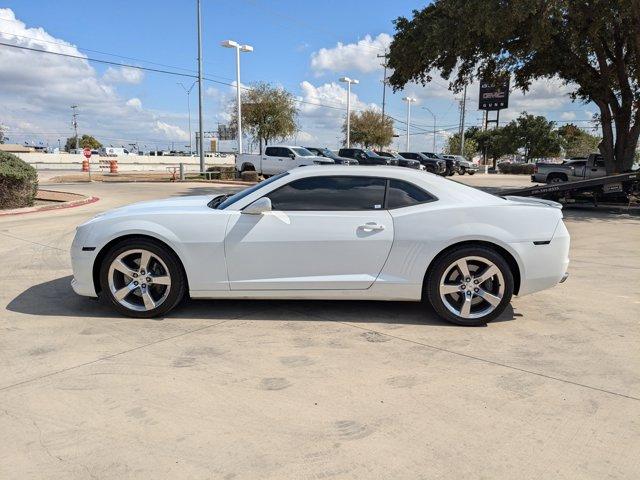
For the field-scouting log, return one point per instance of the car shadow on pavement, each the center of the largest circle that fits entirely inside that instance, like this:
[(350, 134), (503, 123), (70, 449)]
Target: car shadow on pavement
[(56, 298)]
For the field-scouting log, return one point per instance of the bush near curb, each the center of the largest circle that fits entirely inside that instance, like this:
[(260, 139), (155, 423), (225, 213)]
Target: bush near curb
[(225, 172), (18, 182), (249, 176), (516, 168)]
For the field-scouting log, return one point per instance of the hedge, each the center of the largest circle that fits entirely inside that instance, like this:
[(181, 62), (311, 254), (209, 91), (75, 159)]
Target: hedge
[(516, 168), (18, 182), (226, 172)]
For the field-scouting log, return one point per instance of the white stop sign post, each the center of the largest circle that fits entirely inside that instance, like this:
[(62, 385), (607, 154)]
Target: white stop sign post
[(87, 154)]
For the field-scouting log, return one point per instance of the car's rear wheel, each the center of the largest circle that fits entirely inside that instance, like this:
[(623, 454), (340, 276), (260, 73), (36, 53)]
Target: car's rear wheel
[(470, 285), (142, 278)]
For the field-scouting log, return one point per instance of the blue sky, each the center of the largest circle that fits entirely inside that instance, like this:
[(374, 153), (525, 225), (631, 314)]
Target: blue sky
[(303, 46)]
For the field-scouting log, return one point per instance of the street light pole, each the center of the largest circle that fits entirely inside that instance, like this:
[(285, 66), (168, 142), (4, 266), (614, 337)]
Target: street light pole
[(409, 101), (434, 127), (349, 81), (464, 110), (239, 48), (200, 128), (188, 90)]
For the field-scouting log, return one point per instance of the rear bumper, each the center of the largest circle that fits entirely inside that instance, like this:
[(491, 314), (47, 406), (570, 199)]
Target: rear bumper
[(544, 266)]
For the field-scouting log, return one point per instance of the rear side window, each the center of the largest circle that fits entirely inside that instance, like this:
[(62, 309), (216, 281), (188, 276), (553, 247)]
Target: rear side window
[(330, 194), (403, 194), (271, 151)]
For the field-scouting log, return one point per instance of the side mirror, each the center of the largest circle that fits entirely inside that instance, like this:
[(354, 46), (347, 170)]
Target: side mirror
[(292, 156), (258, 207)]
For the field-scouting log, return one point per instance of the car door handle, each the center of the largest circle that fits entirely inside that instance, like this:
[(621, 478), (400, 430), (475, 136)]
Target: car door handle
[(372, 227)]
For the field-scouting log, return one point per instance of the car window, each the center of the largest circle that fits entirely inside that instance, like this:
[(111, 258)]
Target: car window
[(271, 151), (240, 195), (404, 194), (330, 194), (302, 152)]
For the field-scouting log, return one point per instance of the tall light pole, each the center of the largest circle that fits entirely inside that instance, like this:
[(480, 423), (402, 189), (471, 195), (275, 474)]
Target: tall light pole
[(200, 128), (349, 81), (464, 110), (409, 101), (239, 48), (74, 122), (188, 90), (434, 127)]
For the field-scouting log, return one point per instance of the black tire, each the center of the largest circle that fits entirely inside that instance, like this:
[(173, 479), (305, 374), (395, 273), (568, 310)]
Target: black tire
[(557, 178), (432, 292), (462, 170), (430, 169), (177, 288), (471, 172)]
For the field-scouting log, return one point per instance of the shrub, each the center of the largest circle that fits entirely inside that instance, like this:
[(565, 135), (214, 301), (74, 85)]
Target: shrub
[(226, 172), (249, 176), (516, 168), (18, 182)]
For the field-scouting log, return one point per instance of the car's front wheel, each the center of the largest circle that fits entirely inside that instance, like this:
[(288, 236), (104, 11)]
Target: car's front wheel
[(470, 285), (462, 170), (142, 278)]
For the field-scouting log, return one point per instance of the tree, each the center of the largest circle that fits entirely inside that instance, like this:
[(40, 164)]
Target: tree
[(535, 135), (470, 145), (86, 141), (592, 45), (576, 142), (497, 142), (2, 137), (268, 113), (369, 129)]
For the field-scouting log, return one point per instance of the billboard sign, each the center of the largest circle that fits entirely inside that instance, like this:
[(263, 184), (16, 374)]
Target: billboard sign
[(494, 97)]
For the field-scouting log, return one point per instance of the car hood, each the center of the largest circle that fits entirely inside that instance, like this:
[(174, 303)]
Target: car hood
[(173, 204)]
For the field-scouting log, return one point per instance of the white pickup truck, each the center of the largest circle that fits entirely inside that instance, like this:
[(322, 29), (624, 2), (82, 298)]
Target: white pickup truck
[(279, 159)]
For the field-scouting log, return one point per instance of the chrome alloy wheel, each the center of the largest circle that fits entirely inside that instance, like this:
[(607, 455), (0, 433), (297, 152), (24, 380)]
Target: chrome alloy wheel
[(472, 287), (139, 280)]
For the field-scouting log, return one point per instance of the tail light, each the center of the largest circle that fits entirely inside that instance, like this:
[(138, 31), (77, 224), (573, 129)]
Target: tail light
[(535, 169)]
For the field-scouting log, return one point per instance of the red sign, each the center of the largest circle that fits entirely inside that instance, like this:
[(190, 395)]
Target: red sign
[(87, 153)]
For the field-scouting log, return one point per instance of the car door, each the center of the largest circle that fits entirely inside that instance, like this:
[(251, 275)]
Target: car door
[(271, 164), (597, 169), (328, 232)]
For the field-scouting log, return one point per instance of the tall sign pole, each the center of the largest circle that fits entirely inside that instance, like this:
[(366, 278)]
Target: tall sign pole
[(200, 144)]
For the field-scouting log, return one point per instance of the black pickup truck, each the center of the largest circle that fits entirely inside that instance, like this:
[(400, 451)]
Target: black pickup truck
[(366, 157)]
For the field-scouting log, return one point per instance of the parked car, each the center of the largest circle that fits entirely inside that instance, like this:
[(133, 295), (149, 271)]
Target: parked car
[(366, 157), (278, 159), (403, 162), (464, 165), (451, 164), (570, 170), (337, 159), (113, 152), (431, 165), (320, 233)]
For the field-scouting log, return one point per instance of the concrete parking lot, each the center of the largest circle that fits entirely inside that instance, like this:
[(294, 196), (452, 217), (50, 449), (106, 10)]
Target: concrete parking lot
[(313, 390)]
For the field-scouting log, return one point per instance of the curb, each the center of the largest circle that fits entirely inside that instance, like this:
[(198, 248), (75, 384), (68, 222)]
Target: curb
[(44, 208)]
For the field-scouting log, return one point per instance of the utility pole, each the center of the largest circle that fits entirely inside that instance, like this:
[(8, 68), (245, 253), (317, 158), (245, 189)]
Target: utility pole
[(384, 81), (200, 145), (74, 122), (409, 101), (464, 109), (434, 127), (188, 91)]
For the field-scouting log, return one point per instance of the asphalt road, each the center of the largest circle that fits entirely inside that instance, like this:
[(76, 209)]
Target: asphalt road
[(310, 390)]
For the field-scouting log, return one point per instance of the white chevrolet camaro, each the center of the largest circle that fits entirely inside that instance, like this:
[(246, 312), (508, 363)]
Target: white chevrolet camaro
[(329, 232)]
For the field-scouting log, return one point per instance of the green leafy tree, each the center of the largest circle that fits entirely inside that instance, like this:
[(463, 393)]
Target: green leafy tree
[(85, 141), (593, 45), (369, 129), (470, 145), (268, 113), (2, 137), (497, 142), (576, 142), (535, 135)]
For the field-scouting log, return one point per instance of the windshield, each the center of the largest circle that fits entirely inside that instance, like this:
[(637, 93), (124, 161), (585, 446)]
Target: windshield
[(371, 153), (303, 152), (327, 153), (230, 200)]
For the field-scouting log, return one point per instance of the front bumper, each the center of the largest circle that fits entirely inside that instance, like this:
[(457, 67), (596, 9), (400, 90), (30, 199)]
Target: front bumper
[(82, 266)]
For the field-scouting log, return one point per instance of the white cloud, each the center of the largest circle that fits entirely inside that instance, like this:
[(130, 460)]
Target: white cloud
[(38, 89), (134, 103), (171, 131), (360, 56), (123, 75)]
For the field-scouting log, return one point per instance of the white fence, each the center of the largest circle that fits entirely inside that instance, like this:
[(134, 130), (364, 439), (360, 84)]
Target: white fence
[(128, 163)]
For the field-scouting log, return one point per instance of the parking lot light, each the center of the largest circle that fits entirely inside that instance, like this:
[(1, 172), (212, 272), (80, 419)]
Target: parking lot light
[(349, 81), (239, 48), (409, 101)]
